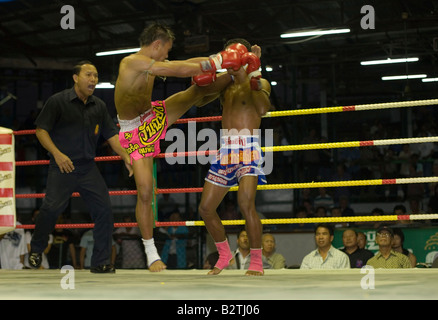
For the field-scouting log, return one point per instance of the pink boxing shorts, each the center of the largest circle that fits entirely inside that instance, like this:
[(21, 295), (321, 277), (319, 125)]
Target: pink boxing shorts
[(141, 136)]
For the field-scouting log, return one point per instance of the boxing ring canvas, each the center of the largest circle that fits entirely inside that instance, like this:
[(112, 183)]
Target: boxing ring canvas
[(191, 285)]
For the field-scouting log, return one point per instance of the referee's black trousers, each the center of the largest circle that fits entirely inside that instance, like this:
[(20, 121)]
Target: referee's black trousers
[(87, 180)]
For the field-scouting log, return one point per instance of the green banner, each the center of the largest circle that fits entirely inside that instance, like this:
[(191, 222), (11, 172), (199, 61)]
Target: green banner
[(422, 242)]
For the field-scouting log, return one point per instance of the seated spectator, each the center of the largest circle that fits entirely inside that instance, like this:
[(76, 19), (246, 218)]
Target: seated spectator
[(12, 249), (337, 212), (344, 204), (211, 260), (242, 255), (174, 252), (361, 240), (397, 245), (387, 258), (325, 256), (87, 247), (321, 212), (131, 253), (323, 199), (274, 259), (358, 257), (435, 262), (28, 235), (301, 213)]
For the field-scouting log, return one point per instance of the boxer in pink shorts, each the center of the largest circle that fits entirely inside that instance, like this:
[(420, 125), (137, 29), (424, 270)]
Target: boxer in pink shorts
[(143, 123), (141, 136)]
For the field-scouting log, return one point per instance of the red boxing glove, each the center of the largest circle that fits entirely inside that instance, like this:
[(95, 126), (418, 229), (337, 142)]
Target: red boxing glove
[(240, 48), (253, 71), (228, 59), (204, 79)]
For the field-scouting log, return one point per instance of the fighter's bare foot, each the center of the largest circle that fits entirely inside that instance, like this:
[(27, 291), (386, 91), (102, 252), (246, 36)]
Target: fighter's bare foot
[(221, 264), (254, 273), (214, 271), (157, 266)]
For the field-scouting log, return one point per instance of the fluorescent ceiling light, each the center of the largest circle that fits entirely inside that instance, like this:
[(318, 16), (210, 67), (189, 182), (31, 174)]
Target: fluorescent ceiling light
[(413, 76), (108, 53), (274, 83), (386, 61), (104, 85), (268, 69), (429, 79), (313, 33)]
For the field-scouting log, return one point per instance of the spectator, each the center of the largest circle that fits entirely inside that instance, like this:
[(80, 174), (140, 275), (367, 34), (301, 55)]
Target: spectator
[(28, 235), (398, 246), (361, 240), (400, 210), (337, 212), (301, 213), (323, 199), (358, 257), (131, 253), (344, 204), (310, 157), (13, 249), (325, 256), (435, 262), (321, 212), (432, 206), (274, 259), (341, 175), (86, 252), (242, 256), (404, 157), (63, 251), (387, 258), (166, 205), (415, 190), (175, 246), (211, 260)]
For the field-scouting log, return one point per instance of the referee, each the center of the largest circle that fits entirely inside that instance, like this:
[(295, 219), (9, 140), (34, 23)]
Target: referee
[(69, 127)]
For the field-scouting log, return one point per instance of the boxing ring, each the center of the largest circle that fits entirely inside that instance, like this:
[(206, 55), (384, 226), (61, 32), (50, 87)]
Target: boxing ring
[(283, 284), (231, 285)]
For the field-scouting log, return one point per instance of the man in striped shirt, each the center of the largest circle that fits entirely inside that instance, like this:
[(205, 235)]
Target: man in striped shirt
[(325, 256), (387, 258)]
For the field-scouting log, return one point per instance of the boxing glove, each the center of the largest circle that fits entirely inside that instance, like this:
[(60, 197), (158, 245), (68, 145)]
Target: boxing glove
[(204, 79), (240, 48), (228, 59), (253, 71)]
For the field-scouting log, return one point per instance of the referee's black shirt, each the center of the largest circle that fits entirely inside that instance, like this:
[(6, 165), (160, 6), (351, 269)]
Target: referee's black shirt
[(75, 127)]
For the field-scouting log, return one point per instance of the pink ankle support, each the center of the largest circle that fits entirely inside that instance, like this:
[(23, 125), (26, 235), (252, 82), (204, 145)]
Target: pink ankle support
[(256, 263), (223, 248)]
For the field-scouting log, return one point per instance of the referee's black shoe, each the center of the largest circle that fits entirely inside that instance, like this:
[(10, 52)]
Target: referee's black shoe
[(35, 259), (105, 268)]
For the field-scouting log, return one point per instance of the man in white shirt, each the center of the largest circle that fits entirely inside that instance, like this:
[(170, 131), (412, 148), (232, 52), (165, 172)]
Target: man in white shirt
[(325, 256), (12, 249)]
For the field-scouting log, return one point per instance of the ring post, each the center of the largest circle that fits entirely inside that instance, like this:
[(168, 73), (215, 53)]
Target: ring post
[(154, 195), (8, 219)]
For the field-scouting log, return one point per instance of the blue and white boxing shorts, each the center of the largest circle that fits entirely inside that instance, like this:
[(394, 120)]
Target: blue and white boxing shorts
[(238, 156)]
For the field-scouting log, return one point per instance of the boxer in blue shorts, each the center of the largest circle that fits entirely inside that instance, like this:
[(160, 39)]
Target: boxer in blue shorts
[(244, 102)]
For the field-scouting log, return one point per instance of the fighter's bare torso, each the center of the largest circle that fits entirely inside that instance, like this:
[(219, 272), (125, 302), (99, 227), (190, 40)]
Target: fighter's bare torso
[(133, 89), (239, 108)]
